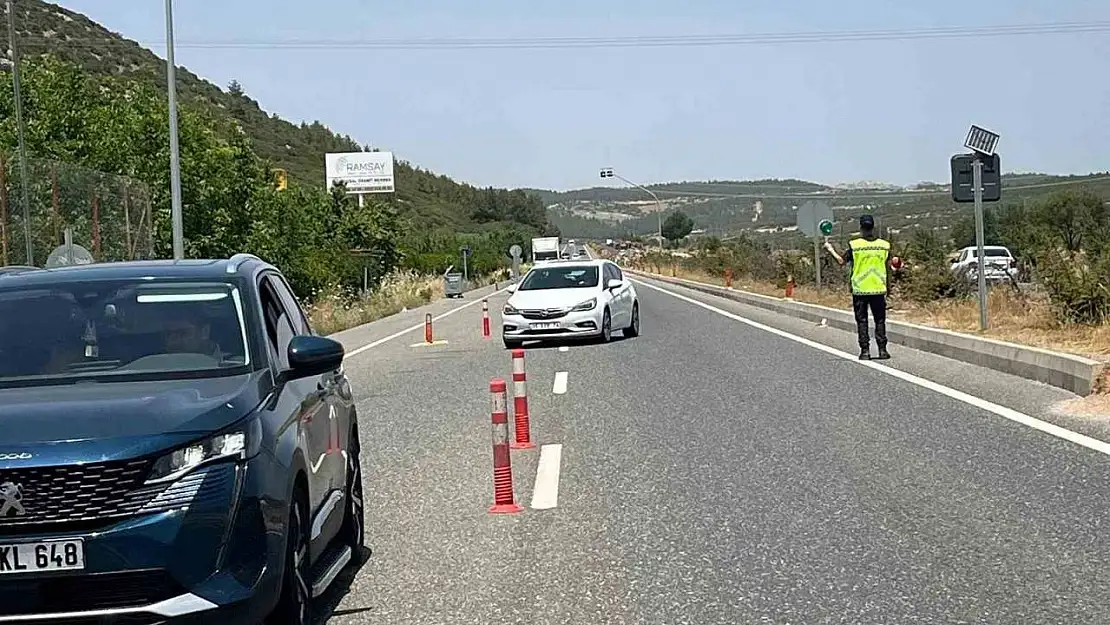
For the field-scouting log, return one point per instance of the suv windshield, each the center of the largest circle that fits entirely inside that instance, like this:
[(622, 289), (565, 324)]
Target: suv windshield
[(560, 277), (80, 330)]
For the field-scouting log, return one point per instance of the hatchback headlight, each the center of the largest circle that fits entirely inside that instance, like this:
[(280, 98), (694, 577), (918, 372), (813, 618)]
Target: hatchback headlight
[(587, 305), (509, 310), (237, 443)]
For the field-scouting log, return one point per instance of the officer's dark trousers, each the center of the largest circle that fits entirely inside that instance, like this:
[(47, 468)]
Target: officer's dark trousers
[(877, 304)]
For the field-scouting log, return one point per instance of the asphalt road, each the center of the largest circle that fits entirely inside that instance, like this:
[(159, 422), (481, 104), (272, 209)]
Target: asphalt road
[(713, 472)]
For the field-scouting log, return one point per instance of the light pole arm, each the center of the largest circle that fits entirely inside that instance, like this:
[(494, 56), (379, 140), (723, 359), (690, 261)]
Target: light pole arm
[(658, 203)]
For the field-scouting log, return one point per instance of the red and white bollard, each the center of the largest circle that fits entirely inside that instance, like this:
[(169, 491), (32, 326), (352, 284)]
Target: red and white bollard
[(504, 501), (521, 423), (485, 319), (428, 328)]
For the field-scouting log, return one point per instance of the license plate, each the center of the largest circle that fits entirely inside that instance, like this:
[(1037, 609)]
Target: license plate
[(51, 555), (545, 326)]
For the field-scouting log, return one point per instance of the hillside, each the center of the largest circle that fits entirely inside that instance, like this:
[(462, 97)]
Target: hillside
[(44, 28), (768, 207)]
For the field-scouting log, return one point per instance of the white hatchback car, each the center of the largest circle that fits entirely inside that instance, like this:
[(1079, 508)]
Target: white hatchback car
[(570, 299)]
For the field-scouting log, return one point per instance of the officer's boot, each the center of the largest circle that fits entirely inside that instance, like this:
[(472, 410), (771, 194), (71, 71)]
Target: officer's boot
[(880, 338)]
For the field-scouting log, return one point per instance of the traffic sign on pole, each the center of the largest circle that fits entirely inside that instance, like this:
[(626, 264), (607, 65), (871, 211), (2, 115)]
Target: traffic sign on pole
[(985, 171), (814, 218)]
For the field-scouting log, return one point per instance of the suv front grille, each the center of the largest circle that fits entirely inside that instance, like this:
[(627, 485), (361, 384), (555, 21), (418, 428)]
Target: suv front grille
[(84, 496), (104, 591)]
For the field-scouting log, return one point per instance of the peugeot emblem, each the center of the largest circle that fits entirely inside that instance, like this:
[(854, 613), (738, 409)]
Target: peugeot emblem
[(11, 500)]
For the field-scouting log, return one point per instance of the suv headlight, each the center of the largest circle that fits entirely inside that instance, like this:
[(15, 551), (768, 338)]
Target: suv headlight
[(240, 443), (587, 305), (509, 310)]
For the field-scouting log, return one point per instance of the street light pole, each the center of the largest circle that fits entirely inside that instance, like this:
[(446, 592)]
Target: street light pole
[(21, 129), (658, 203), (175, 156)]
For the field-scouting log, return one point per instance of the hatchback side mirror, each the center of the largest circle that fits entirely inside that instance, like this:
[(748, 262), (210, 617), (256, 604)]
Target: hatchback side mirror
[(313, 355), (614, 284), (511, 288)]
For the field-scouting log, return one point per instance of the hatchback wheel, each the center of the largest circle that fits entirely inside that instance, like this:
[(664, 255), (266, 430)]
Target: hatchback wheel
[(295, 604), (606, 327), (633, 329)]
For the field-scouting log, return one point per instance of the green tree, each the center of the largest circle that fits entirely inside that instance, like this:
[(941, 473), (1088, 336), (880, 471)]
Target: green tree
[(963, 230), (677, 226)]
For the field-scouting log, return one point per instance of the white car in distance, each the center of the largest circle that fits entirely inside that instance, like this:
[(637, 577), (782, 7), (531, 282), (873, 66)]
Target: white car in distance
[(568, 300), (999, 262)]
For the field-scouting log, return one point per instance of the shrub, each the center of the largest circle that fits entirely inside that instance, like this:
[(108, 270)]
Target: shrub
[(1078, 286)]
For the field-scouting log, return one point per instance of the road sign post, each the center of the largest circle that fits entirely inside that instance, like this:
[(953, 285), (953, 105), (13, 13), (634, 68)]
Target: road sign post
[(465, 255), (985, 171), (977, 181), (814, 220)]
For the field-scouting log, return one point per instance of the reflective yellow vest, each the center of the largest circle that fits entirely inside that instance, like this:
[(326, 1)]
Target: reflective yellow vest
[(869, 266)]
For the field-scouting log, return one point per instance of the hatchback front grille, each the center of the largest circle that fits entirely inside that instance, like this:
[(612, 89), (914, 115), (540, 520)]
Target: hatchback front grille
[(82, 495), (550, 313)]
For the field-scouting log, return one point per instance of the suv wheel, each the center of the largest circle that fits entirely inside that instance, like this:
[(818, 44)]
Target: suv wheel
[(295, 604), (354, 527)]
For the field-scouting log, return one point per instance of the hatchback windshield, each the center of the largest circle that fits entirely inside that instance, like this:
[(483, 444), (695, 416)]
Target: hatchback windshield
[(560, 277), (93, 329)]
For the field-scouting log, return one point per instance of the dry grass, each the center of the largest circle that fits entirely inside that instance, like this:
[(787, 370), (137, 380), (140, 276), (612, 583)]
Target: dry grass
[(1027, 320), (336, 309)]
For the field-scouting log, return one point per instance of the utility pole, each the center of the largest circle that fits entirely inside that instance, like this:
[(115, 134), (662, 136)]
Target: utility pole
[(21, 131), (175, 156)]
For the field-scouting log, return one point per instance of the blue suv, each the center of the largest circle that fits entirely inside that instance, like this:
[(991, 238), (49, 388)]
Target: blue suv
[(177, 446)]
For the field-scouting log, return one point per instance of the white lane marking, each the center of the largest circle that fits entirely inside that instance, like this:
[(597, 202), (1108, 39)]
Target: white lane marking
[(560, 386), (564, 348), (546, 493), (395, 335), (978, 402)]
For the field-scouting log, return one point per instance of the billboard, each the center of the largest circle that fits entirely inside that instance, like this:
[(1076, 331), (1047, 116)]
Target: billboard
[(363, 172)]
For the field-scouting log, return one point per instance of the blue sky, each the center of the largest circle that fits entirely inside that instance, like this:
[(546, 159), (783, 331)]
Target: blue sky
[(828, 112)]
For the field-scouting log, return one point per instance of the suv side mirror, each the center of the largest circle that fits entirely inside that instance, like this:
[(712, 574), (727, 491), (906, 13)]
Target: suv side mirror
[(615, 283), (313, 355), (511, 288)]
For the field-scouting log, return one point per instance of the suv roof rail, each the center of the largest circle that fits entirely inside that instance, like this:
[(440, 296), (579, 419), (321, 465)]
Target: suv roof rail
[(236, 261), (14, 269)]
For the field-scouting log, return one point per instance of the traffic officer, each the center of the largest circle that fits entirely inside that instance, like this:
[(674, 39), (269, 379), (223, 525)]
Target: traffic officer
[(870, 259)]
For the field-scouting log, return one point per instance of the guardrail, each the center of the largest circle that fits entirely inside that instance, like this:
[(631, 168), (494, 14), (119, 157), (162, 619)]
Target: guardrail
[(1077, 374)]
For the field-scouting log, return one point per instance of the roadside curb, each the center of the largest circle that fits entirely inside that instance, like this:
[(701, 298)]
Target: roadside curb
[(1079, 375)]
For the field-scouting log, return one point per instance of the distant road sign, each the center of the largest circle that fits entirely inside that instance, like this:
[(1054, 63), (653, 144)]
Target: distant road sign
[(72, 254), (810, 216), (515, 251), (963, 175)]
